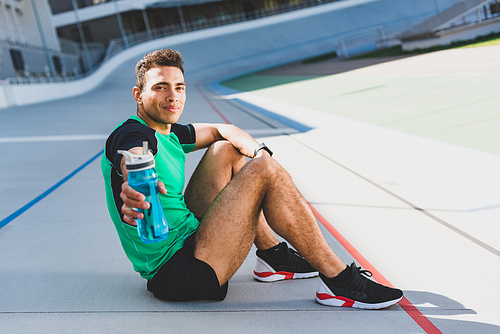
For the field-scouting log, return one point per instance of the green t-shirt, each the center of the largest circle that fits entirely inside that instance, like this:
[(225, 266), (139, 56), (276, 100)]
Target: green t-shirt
[(170, 156)]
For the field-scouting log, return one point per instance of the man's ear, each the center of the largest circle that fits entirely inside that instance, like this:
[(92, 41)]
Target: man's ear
[(137, 94)]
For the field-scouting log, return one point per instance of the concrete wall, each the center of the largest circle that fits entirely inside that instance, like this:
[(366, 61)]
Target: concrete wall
[(455, 35), (252, 45)]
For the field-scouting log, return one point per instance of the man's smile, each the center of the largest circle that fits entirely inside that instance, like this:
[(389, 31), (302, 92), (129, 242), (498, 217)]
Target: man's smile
[(172, 109)]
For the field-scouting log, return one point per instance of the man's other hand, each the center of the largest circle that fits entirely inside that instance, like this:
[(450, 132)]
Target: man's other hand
[(133, 200)]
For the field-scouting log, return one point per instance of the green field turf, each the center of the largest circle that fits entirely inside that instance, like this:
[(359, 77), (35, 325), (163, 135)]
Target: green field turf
[(458, 108), (494, 41)]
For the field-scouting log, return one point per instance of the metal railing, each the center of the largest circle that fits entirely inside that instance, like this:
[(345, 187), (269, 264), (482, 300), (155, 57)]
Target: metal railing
[(25, 36), (381, 36), (67, 47), (120, 44)]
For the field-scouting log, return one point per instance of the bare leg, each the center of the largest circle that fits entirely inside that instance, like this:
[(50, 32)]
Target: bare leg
[(230, 224), (219, 165), (264, 237)]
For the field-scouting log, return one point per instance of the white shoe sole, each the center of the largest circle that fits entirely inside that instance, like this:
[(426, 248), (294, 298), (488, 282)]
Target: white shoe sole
[(265, 273), (281, 275), (324, 296)]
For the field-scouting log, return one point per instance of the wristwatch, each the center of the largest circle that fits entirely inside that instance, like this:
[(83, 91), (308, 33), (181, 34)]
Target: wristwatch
[(262, 146)]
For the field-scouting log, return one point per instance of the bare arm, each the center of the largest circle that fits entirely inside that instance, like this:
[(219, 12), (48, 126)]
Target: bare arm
[(207, 134)]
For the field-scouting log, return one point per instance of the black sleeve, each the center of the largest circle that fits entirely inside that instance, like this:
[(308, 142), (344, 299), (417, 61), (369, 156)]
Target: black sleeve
[(185, 133), (129, 134)]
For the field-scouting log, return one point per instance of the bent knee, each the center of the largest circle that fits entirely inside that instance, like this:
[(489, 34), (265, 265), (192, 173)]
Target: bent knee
[(266, 165), (223, 149)]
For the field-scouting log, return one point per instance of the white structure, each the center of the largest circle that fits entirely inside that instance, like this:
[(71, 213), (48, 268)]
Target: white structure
[(18, 23), (29, 45), (347, 27), (464, 21)]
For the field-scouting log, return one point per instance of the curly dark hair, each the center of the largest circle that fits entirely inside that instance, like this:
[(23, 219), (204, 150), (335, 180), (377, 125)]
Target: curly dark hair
[(161, 57)]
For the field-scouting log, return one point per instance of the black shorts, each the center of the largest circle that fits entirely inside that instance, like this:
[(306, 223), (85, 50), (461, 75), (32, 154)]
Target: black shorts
[(183, 277)]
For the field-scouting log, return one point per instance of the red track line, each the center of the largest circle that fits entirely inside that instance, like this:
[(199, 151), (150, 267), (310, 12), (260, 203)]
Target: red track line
[(211, 104), (405, 304)]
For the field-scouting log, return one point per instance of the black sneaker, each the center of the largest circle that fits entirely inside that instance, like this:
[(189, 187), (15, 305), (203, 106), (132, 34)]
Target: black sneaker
[(357, 291), (292, 266)]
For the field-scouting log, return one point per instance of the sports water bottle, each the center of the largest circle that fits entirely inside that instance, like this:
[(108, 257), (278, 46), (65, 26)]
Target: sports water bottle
[(143, 178)]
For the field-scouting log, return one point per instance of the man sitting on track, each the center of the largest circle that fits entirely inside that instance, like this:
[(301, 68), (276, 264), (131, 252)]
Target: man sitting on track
[(229, 204)]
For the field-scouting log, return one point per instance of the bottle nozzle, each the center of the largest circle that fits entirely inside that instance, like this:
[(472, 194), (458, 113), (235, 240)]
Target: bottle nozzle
[(129, 157), (138, 161)]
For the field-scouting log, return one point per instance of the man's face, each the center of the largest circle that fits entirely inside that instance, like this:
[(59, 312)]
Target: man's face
[(162, 99)]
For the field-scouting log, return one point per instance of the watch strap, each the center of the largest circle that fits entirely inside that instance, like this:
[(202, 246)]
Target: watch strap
[(262, 146)]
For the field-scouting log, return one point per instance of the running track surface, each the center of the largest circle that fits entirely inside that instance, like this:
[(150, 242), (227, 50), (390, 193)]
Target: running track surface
[(63, 269)]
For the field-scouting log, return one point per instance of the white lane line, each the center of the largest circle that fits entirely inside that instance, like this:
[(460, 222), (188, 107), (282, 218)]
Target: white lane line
[(37, 139), (277, 131)]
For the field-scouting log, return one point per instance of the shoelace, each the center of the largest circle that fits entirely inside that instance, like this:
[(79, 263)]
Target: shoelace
[(358, 284)]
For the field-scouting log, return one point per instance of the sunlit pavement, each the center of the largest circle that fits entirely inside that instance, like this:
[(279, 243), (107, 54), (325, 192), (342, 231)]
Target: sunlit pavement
[(421, 211)]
